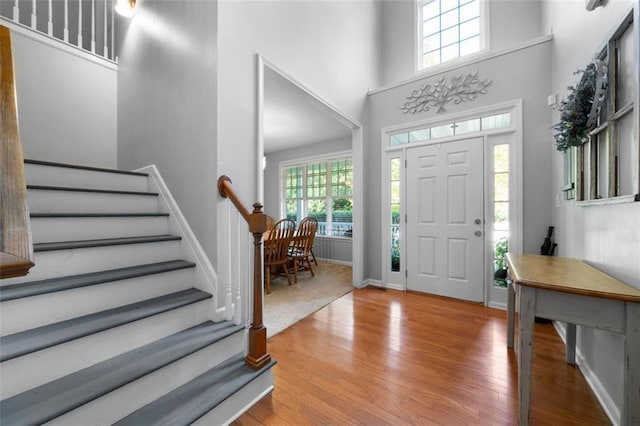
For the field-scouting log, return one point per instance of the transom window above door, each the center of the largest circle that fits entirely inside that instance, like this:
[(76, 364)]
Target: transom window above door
[(449, 29), (475, 125)]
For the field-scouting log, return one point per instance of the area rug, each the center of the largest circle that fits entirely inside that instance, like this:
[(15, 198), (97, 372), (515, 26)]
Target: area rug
[(288, 304)]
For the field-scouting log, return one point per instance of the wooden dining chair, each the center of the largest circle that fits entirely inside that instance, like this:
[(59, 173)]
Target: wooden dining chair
[(300, 253), (276, 245)]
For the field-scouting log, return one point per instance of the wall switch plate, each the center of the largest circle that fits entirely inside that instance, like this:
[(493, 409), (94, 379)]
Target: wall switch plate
[(552, 99)]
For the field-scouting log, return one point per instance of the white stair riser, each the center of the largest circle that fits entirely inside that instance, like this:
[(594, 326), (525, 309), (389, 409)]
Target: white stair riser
[(45, 230), (234, 406), (61, 263), (121, 402), (31, 312), (31, 370), (47, 201), (77, 178)]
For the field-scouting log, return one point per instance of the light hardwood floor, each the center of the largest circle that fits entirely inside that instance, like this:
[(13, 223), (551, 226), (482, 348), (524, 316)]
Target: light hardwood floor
[(377, 357)]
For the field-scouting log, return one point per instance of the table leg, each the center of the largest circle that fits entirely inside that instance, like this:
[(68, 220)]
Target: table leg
[(571, 344), (511, 307), (525, 351), (630, 411)]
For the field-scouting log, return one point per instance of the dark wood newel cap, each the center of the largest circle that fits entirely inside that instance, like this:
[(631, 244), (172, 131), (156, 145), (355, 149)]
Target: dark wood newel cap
[(222, 180)]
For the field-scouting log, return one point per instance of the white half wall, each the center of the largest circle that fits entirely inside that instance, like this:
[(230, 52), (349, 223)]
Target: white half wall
[(67, 102)]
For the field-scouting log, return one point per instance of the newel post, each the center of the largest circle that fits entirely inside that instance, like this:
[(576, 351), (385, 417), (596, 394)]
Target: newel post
[(258, 356), (257, 220)]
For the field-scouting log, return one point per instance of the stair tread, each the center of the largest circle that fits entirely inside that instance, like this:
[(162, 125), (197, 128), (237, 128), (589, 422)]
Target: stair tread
[(102, 242), (35, 288), (77, 166), (194, 399), (24, 342), (93, 190), (60, 396), (78, 215)]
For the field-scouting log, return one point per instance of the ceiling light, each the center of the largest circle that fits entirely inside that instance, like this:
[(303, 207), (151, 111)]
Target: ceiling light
[(126, 8)]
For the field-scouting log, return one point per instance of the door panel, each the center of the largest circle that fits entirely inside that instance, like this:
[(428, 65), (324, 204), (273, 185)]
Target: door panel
[(445, 219)]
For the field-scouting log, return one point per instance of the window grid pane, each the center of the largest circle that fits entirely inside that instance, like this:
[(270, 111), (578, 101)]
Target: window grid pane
[(450, 29), (498, 121), (309, 189)]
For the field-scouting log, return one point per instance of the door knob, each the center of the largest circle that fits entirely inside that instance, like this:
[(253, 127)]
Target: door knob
[(477, 221), (477, 233)]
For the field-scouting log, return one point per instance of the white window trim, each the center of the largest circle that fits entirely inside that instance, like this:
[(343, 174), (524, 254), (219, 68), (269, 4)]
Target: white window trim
[(338, 155), (485, 45), (516, 186)]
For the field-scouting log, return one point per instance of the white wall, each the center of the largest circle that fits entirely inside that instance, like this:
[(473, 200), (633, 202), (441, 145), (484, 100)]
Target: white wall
[(607, 237), (522, 74), (330, 47), (66, 103), (512, 22), (167, 100)]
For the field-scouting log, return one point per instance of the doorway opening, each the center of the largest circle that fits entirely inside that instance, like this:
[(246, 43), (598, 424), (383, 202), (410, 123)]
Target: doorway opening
[(293, 119)]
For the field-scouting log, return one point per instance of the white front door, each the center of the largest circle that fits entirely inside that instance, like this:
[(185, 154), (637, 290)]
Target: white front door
[(445, 219)]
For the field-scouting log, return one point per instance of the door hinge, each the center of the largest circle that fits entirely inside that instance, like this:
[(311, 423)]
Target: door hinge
[(405, 218), (406, 273), (405, 163)]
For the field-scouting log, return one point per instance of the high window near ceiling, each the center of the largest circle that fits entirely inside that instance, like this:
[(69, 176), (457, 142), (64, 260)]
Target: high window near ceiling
[(322, 189), (449, 29)]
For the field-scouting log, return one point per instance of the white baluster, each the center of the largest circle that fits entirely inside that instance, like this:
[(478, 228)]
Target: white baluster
[(80, 24), (105, 52), (33, 15), (66, 20), (113, 32), (50, 23), (237, 307), (93, 26), (228, 311), (16, 11)]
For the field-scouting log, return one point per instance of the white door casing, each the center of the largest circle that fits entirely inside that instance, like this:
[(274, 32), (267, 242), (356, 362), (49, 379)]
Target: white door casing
[(445, 219)]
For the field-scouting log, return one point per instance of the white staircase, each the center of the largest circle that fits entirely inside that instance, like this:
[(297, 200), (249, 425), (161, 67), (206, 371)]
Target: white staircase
[(118, 322)]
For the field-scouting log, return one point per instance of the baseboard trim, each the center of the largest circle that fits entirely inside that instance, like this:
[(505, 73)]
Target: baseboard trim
[(337, 262), (378, 283), (601, 394)]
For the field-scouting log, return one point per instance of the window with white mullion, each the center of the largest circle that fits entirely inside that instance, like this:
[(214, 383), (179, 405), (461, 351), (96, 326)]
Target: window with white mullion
[(448, 30), (321, 189)]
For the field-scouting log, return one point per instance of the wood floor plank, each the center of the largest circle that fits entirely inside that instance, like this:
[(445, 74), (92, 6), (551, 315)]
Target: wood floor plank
[(388, 357)]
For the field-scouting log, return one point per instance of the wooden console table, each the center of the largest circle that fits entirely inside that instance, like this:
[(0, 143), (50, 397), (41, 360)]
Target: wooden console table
[(571, 291)]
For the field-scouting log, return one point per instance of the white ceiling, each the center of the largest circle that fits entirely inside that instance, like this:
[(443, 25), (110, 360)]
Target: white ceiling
[(293, 118)]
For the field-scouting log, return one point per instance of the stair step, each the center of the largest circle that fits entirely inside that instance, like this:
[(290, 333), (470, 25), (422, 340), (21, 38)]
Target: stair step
[(94, 215), (62, 263), (47, 173), (194, 399), (60, 396), (18, 291), (18, 344), (46, 228), (52, 199), (93, 190), (80, 167), (104, 242)]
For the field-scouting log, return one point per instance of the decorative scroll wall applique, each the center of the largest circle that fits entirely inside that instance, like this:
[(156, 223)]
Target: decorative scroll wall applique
[(460, 89)]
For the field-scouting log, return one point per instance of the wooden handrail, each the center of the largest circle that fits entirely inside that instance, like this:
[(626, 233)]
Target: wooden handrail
[(258, 356), (16, 249)]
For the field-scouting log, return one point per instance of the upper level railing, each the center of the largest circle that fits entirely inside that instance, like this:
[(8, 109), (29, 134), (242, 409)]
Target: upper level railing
[(258, 356), (85, 24), (16, 249)]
